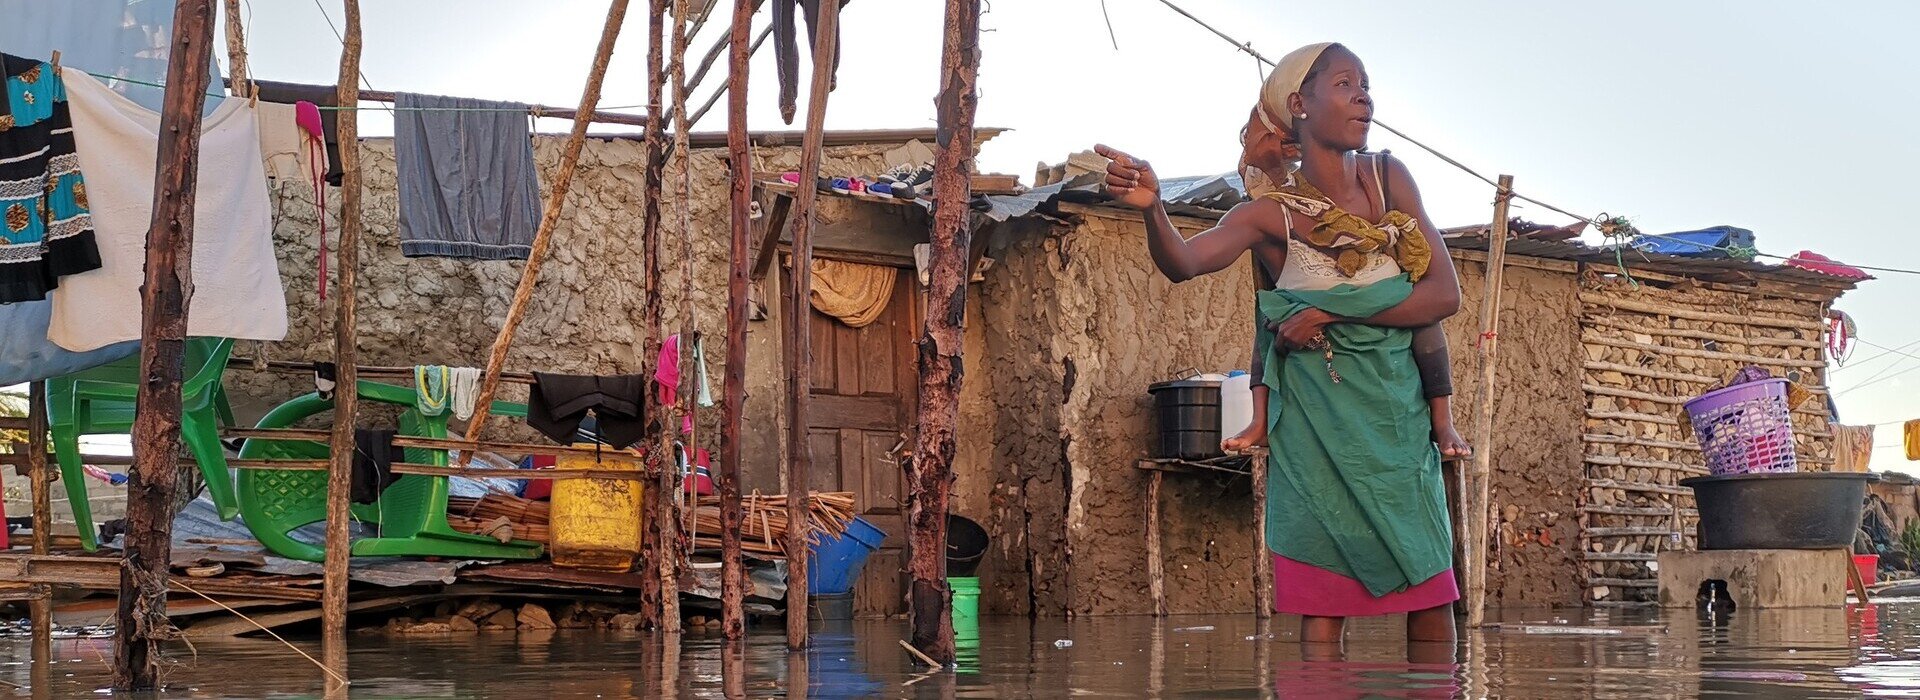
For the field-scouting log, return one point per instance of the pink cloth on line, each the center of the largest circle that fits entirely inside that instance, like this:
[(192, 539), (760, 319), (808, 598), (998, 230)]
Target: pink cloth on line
[(668, 376), (1305, 589)]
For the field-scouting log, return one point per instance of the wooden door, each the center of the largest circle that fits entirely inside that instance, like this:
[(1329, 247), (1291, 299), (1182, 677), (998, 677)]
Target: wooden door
[(863, 388)]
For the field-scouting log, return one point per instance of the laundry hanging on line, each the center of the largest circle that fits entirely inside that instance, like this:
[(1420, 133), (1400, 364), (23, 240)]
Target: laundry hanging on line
[(236, 278), (787, 52), (323, 97), (468, 186), (559, 403), (45, 230)]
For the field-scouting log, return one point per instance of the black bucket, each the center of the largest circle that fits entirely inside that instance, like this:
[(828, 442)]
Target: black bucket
[(966, 544), (1779, 510), (1186, 416)]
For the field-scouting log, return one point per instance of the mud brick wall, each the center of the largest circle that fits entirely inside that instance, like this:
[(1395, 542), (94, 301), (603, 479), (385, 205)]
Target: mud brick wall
[(1537, 414)]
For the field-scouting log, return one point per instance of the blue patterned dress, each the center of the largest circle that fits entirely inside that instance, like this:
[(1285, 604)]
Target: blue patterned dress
[(45, 232)]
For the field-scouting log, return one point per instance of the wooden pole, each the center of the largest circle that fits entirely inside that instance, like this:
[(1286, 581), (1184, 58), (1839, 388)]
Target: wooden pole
[(727, 482), (41, 610), (141, 618), (670, 479), (930, 475), (346, 357), (653, 330), (549, 220), (1478, 496), (236, 50), (1262, 557), (1156, 567), (799, 339)]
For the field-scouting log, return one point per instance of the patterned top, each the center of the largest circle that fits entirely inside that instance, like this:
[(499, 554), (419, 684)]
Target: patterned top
[(45, 232), (1341, 247)]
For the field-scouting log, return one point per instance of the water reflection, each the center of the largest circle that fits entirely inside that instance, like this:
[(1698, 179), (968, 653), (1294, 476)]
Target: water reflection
[(1765, 653)]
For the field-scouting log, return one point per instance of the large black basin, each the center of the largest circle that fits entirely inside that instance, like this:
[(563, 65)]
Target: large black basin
[(1779, 511)]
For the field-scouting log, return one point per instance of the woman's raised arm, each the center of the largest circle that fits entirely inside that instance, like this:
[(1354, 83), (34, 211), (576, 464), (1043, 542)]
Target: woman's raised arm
[(1131, 181)]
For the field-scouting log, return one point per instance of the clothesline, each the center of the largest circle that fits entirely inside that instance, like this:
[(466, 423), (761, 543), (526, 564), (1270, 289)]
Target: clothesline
[(602, 114)]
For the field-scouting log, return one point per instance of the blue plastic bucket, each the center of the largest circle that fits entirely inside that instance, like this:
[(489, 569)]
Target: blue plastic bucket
[(836, 562)]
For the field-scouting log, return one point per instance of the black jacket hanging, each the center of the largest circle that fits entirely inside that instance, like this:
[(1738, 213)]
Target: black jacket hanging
[(558, 403)]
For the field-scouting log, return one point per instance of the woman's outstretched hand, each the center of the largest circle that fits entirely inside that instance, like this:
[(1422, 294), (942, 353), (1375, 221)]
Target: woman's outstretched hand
[(1306, 329), (1130, 180)]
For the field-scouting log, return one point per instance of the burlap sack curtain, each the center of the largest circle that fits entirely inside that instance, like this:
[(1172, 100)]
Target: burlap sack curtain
[(854, 293)]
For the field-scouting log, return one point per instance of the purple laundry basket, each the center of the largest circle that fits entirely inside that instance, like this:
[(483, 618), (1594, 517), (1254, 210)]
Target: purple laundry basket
[(1745, 428)]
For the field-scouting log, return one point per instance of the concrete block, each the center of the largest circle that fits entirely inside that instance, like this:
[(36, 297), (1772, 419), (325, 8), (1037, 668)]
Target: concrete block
[(1758, 578)]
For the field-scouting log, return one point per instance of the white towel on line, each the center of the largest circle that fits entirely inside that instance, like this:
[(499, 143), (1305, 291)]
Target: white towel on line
[(236, 279)]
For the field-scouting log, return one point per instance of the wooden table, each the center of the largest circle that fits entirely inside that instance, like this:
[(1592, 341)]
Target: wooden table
[(1254, 465)]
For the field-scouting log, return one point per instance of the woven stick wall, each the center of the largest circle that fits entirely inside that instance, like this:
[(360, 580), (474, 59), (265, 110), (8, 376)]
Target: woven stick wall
[(1649, 347)]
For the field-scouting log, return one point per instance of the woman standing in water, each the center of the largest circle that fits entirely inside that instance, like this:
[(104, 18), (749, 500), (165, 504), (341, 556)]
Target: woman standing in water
[(1356, 510)]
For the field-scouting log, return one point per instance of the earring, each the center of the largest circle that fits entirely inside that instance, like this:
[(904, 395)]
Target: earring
[(1303, 115)]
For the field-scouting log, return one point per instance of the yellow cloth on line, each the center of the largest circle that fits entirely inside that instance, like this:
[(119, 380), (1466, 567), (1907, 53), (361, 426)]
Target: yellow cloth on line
[(1912, 434), (856, 294), (1853, 447)]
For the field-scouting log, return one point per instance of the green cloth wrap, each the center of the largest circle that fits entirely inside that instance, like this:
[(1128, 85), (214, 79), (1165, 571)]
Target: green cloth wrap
[(1354, 483)]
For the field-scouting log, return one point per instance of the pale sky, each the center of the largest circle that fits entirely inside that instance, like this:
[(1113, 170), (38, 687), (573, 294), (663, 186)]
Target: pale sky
[(1788, 118)]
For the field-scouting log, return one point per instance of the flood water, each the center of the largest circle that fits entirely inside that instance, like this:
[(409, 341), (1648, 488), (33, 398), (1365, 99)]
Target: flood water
[(1873, 651)]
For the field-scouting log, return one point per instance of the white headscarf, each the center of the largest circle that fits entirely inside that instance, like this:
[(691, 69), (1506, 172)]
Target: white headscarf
[(1287, 78)]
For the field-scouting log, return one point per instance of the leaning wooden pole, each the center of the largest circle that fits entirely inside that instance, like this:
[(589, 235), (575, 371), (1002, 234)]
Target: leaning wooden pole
[(346, 358), (799, 340), (733, 619), (930, 475), (141, 619), (549, 220), (1479, 493), (659, 427)]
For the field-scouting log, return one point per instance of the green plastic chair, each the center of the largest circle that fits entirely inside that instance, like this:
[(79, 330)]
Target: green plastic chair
[(411, 513), (100, 401)]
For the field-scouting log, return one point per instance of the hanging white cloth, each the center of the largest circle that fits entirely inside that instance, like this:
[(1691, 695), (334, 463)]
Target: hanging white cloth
[(236, 279)]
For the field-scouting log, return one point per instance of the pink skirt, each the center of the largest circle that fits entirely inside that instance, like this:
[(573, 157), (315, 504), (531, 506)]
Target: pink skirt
[(1304, 589)]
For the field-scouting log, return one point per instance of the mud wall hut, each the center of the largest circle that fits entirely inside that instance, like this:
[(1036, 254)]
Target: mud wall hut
[(1587, 455)]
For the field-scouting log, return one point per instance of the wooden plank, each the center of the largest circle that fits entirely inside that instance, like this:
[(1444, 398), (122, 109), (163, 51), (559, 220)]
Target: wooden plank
[(1623, 582), (1649, 373), (1640, 442), (864, 412), (165, 291), (1666, 512), (1646, 307), (1640, 326), (1660, 531), (773, 220), (1628, 415), (1618, 556), (1640, 487), (1747, 358), (1613, 461)]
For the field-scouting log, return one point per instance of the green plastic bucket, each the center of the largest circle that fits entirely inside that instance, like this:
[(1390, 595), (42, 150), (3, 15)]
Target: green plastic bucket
[(966, 602)]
